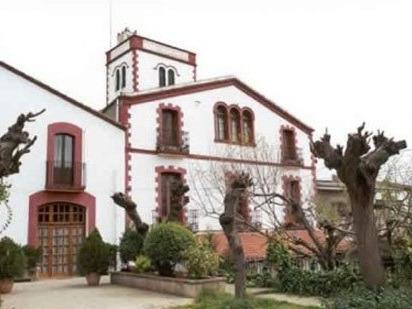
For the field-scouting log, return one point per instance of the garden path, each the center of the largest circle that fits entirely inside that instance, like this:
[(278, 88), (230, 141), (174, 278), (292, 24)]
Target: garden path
[(73, 293)]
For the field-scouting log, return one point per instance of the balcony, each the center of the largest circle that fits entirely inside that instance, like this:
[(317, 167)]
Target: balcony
[(173, 143), (67, 176), (293, 157)]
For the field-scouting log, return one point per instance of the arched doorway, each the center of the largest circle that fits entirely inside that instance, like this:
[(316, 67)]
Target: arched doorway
[(61, 229)]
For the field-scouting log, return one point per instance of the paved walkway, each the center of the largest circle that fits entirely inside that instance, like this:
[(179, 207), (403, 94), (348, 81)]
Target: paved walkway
[(74, 293)]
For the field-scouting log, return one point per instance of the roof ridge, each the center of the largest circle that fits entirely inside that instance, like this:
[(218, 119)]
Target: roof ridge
[(60, 94)]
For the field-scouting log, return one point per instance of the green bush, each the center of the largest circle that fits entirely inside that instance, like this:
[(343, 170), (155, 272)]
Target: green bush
[(131, 245), (166, 244), (33, 256), (363, 298), (12, 259), (93, 255), (142, 264), (112, 254), (201, 260), (317, 283), (291, 278)]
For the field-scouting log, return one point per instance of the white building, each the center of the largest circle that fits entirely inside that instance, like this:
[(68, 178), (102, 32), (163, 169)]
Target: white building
[(63, 189), (160, 123), (178, 126)]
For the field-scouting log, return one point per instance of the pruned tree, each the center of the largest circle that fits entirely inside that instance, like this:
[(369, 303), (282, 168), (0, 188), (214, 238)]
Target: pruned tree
[(265, 195), (357, 166), (10, 153), (125, 202), (10, 156), (231, 221), (178, 199)]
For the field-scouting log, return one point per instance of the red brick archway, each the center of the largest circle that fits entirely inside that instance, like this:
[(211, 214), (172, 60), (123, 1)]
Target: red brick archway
[(40, 198)]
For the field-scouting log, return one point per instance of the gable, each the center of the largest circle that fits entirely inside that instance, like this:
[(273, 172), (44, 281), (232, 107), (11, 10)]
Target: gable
[(60, 95), (197, 87)]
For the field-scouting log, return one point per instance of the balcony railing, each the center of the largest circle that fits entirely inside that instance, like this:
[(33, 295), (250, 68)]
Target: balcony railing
[(173, 142), (293, 157), (67, 176)]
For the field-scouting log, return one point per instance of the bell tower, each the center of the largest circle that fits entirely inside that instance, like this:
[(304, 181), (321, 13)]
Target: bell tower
[(137, 63)]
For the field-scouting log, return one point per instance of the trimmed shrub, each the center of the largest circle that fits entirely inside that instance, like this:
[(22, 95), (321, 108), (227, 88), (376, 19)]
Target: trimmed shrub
[(201, 261), (12, 259), (166, 244), (142, 264), (33, 256), (112, 254), (93, 255), (364, 298), (291, 278), (131, 245)]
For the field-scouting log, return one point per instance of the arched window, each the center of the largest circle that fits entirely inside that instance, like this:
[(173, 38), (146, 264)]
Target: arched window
[(247, 119), (123, 76), (234, 126), (162, 77), (170, 77), (117, 80), (221, 124)]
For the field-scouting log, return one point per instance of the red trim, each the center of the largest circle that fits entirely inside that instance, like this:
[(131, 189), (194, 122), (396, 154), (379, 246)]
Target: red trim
[(162, 107), (228, 132), (162, 94), (282, 130), (43, 197), (221, 159), (60, 95), (168, 169), (227, 127), (192, 58), (124, 118), (135, 71), (136, 41), (70, 129)]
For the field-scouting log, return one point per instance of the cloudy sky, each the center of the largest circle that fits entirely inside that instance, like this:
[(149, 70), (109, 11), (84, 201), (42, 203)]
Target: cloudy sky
[(331, 63)]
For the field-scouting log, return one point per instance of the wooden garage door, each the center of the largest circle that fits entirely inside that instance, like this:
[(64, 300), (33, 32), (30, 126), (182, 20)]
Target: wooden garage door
[(61, 231)]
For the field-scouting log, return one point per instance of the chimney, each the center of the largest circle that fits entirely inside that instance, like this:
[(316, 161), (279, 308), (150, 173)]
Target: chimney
[(124, 35)]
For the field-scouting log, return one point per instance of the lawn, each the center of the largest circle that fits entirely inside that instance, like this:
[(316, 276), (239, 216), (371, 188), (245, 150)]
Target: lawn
[(210, 300)]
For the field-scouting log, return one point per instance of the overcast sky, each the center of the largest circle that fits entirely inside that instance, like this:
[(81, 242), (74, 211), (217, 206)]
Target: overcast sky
[(331, 63)]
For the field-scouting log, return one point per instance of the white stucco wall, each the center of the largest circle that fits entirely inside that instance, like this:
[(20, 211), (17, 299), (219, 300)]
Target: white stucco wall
[(198, 120), (103, 154), (148, 70)]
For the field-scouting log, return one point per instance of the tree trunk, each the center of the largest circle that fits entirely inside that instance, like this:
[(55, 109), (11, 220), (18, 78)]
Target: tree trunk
[(229, 221), (370, 261)]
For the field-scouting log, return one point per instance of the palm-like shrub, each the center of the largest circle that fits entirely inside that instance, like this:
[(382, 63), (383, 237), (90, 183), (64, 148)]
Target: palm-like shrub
[(93, 255), (131, 245), (166, 244), (201, 261), (12, 259)]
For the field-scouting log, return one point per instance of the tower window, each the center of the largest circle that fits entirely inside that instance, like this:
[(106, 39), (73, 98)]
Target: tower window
[(120, 81), (170, 77), (123, 77), (117, 80), (162, 77)]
